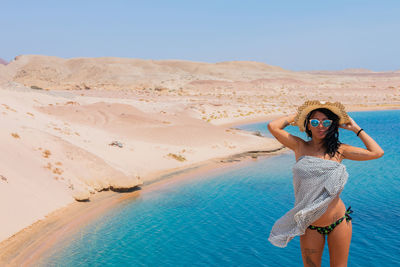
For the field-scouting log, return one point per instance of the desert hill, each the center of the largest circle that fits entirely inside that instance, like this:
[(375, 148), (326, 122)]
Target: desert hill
[(263, 87), (122, 73)]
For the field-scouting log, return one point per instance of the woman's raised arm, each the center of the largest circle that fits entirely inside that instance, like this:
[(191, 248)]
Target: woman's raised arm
[(372, 151), (276, 128)]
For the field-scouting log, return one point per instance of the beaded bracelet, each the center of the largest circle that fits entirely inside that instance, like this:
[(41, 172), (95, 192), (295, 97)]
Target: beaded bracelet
[(360, 131)]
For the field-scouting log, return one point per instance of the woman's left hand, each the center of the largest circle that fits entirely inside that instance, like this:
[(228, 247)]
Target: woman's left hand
[(351, 126)]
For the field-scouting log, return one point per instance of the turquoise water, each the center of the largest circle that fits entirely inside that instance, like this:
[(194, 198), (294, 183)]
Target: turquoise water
[(225, 219)]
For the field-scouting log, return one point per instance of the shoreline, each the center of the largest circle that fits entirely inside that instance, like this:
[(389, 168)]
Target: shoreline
[(30, 244), (355, 108)]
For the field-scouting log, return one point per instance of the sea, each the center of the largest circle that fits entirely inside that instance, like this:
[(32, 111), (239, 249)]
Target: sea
[(224, 218)]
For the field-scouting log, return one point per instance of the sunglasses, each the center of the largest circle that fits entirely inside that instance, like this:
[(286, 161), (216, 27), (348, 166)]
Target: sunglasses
[(325, 123)]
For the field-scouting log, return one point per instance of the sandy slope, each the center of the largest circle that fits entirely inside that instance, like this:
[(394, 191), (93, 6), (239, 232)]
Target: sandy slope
[(56, 146)]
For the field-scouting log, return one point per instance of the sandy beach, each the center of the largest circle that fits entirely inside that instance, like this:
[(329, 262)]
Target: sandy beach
[(85, 128)]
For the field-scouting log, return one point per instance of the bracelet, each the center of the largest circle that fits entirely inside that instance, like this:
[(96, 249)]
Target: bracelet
[(360, 131)]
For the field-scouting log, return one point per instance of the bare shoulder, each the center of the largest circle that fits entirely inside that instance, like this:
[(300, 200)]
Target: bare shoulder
[(341, 151), (343, 147), (297, 143), (299, 140), (302, 147)]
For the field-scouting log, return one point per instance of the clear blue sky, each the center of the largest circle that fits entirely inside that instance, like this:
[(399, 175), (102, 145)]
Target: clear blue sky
[(296, 35)]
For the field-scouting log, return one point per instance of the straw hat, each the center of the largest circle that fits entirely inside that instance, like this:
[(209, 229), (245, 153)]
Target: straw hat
[(310, 105)]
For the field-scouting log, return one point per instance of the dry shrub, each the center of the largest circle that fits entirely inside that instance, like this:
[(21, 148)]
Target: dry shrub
[(57, 171), (3, 178), (48, 166), (46, 153), (177, 157)]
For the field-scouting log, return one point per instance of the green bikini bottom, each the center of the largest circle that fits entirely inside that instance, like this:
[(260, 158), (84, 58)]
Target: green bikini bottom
[(327, 229)]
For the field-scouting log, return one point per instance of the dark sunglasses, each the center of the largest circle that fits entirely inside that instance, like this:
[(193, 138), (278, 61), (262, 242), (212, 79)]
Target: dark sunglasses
[(325, 123)]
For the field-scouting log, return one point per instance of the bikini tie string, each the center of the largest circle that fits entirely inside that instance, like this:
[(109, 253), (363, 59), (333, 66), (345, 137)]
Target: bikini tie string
[(347, 215)]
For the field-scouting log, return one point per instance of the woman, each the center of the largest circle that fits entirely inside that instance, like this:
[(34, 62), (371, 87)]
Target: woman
[(318, 179)]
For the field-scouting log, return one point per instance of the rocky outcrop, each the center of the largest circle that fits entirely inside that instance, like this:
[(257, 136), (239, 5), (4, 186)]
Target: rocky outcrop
[(125, 184), (81, 195)]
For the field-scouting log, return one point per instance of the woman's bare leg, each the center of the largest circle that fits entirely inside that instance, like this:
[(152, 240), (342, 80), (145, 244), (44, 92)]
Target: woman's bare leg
[(339, 244), (312, 245)]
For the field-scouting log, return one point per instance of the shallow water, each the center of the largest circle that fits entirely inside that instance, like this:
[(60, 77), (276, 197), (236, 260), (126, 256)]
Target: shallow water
[(225, 219)]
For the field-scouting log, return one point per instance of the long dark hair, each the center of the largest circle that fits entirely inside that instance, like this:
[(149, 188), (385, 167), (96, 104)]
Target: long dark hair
[(331, 141)]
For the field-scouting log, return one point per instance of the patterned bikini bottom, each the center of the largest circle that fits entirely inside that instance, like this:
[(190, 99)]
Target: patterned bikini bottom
[(327, 229)]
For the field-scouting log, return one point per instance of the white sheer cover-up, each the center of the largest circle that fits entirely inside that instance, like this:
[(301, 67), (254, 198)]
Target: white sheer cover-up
[(316, 183)]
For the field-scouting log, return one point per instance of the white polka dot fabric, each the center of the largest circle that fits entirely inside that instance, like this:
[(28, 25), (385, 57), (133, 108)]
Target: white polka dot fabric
[(316, 183)]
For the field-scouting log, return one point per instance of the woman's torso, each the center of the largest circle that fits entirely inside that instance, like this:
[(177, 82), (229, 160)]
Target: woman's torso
[(336, 208)]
